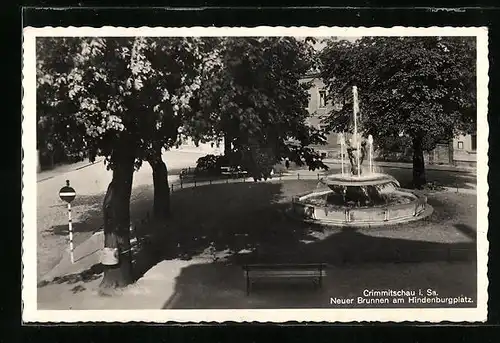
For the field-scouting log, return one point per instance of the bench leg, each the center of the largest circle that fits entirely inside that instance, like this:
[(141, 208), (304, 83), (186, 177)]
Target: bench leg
[(248, 284)]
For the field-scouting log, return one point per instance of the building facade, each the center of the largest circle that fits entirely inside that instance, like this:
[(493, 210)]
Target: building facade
[(460, 151), (318, 107)]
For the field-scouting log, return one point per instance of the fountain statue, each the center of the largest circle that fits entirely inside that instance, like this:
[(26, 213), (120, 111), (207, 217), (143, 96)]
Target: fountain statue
[(360, 196), (356, 154)]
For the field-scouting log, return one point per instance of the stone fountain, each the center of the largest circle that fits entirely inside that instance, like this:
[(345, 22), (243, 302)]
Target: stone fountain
[(359, 196)]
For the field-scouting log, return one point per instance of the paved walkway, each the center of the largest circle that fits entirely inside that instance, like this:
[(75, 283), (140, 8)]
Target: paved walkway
[(90, 182), (202, 284), (87, 253)]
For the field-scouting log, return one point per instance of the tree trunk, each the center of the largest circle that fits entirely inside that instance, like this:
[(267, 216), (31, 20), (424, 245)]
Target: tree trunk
[(161, 206), (418, 163), (51, 159), (227, 145), (450, 152), (38, 164), (116, 210)]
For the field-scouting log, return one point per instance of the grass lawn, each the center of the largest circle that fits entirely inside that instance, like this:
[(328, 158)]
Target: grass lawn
[(439, 252), (217, 228), (252, 216)]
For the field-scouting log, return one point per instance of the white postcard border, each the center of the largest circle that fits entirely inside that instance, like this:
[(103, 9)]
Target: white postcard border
[(29, 244)]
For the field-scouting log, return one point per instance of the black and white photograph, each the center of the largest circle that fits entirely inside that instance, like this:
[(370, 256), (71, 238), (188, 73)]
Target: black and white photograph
[(268, 174)]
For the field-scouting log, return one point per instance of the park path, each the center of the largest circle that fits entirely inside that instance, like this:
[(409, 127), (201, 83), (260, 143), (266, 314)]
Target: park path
[(90, 183), (87, 254)]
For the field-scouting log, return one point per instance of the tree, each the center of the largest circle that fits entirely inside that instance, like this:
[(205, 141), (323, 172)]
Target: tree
[(253, 98), (420, 87), (128, 98), (55, 125), (124, 99), (176, 65)]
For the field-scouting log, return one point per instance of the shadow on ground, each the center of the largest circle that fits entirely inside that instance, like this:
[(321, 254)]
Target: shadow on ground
[(91, 274), (90, 222), (248, 221), (251, 220)]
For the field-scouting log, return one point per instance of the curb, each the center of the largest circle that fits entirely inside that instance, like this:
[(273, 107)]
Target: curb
[(71, 170), (65, 267), (88, 164)]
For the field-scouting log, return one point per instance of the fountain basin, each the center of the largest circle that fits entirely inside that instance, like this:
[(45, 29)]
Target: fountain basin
[(402, 206), (372, 179)]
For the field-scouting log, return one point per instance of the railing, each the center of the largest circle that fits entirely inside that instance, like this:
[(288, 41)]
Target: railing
[(237, 177), (197, 181)]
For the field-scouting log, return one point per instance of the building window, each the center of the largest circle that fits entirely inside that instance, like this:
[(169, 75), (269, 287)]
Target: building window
[(460, 145), (322, 98), (473, 142)]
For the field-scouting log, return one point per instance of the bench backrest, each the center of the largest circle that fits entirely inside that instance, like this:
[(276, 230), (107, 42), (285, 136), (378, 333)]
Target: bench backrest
[(285, 266)]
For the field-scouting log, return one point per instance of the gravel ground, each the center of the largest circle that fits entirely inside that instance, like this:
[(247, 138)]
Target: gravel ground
[(199, 284), (90, 184), (428, 253)]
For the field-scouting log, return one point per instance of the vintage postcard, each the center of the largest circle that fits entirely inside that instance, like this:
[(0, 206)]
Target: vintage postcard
[(268, 174)]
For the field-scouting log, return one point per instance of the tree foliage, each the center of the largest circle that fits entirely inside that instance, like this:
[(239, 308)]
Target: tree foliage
[(421, 87), (253, 97), (123, 98), (105, 89), (56, 127), (128, 98)]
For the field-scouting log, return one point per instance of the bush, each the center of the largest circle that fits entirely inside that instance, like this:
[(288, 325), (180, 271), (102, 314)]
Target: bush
[(434, 186), (210, 164)]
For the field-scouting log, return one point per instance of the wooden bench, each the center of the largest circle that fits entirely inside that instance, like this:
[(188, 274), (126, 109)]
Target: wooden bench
[(232, 171), (257, 272)]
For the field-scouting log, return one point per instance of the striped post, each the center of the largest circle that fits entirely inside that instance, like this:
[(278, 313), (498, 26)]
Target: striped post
[(68, 194), (70, 227)]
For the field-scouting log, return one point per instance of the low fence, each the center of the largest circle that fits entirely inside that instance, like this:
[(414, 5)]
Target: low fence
[(190, 182), (194, 181)]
